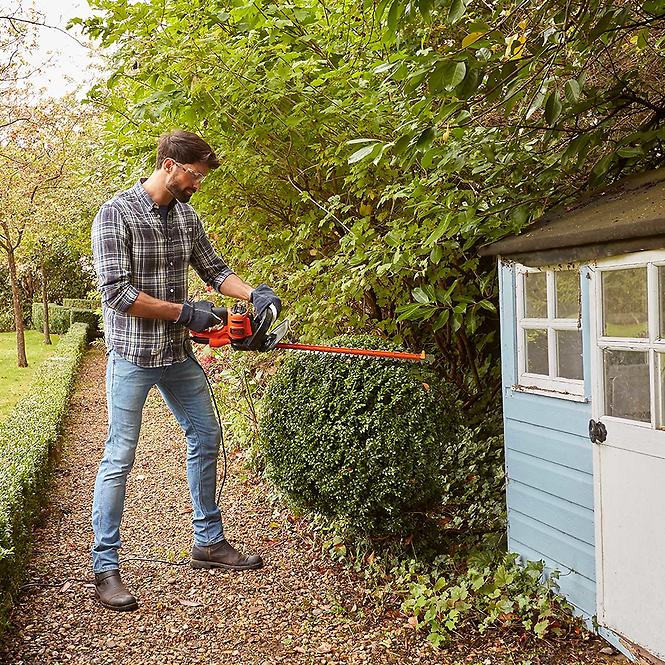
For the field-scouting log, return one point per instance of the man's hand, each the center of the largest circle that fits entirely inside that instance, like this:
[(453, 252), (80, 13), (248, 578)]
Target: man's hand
[(198, 316), (262, 297)]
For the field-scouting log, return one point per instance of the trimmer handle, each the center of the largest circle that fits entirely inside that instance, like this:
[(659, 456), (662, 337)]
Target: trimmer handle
[(222, 313)]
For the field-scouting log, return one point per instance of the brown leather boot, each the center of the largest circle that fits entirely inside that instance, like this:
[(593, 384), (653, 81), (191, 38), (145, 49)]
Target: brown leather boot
[(224, 555), (112, 593)]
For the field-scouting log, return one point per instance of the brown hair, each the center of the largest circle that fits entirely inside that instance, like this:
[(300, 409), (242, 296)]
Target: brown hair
[(185, 147)]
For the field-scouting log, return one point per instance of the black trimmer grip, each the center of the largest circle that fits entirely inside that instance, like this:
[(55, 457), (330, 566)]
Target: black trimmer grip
[(222, 313)]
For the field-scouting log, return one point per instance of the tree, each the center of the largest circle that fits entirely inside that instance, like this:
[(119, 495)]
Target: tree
[(369, 151), (34, 154)]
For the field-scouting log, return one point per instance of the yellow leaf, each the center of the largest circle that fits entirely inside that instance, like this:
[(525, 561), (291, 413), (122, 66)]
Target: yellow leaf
[(509, 45), (471, 38), (517, 53), (365, 209)]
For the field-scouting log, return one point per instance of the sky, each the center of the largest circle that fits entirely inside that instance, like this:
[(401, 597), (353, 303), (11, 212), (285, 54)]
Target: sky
[(69, 63)]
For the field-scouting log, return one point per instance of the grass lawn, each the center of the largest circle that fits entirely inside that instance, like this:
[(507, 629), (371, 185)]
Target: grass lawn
[(14, 381)]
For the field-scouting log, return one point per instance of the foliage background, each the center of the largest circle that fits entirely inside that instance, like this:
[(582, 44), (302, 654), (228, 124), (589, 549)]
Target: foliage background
[(368, 150)]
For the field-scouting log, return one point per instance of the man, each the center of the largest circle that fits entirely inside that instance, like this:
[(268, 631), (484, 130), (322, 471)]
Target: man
[(144, 241)]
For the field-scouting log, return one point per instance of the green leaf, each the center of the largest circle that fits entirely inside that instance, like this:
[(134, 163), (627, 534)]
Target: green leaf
[(408, 312), (425, 7), (436, 254), (363, 153), (520, 214), (438, 232), (552, 107), (456, 11), (415, 80), (630, 151), (420, 296), (541, 628), (602, 166), (425, 139), (655, 7), (435, 80), (454, 74), (470, 84), (384, 67), (572, 91), (394, 15), (536, 103), (441, 320), (358, 141), (402, 144), (428, 158)]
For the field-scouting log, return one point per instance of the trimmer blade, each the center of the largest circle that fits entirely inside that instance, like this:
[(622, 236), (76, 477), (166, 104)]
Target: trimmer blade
[(276, 335)]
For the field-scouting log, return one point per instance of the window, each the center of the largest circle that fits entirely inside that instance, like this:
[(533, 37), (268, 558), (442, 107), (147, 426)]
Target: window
[(549, 336), (631, 340)]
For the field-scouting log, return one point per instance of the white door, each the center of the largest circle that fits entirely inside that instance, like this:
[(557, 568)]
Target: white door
[(628, 397)]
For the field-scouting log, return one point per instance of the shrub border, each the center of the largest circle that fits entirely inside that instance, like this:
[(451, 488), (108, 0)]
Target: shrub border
[(29, 437)]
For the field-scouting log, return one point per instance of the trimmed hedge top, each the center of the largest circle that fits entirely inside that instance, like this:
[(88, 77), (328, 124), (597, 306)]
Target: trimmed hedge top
[(367, 440), (27, 437)]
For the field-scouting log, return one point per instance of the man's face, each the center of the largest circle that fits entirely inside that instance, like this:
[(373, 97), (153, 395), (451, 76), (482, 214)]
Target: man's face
[(183, 180)]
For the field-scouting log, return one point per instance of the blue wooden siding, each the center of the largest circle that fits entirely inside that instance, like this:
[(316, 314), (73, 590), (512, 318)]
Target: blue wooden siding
[(549, 467)]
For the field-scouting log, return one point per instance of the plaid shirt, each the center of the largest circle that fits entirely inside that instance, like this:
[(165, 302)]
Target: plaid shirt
[(134, 251)]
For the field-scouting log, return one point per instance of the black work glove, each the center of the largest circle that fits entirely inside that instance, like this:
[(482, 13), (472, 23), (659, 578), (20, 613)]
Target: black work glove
[(262, 297), (198, 316)]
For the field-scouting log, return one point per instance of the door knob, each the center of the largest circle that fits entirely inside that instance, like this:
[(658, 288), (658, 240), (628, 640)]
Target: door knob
[(597, 431)]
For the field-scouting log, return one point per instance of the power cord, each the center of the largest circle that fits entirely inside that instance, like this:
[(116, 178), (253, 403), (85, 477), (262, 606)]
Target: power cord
[(219, 421)]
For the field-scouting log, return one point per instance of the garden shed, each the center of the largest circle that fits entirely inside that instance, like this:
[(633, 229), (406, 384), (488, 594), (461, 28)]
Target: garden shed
[(582, 298)]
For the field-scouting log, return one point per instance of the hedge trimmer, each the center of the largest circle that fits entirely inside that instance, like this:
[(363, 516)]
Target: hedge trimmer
[(245, 332)]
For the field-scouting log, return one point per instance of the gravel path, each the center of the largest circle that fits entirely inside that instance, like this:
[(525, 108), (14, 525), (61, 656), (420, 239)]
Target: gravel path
[(299, 609)]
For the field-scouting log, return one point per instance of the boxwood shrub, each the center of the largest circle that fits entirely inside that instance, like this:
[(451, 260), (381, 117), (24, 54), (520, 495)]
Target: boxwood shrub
[(7, 320), (371, 441), (27, 439), (90, 318), (80, 303), (61, 317), (58, 316)]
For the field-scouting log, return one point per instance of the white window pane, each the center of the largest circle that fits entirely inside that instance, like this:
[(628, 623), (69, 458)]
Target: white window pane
[(536, 352), (535, 295), (567, 294), (625, 303), (627, 385), (569, 354)]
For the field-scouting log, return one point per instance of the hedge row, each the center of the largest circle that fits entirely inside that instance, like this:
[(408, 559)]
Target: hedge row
[(61, 318), (27, 439)]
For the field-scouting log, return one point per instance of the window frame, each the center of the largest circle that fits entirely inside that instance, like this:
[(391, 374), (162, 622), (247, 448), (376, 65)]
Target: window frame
[(652, 344), (572, 389)]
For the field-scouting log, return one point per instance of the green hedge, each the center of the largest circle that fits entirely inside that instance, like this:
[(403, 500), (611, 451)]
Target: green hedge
[(91, 319), (58, 317), (61, 317), (369, 441), (81, 303), (27, 438), (7, 320)]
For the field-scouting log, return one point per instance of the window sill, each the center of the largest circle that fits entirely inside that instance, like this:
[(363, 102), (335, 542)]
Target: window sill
[(546, 392)]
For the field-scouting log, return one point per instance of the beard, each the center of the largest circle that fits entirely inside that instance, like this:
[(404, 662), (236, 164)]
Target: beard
[(182, 194)]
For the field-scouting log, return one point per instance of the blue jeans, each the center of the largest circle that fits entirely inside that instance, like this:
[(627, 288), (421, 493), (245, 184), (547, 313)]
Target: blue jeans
[(185, 391)]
